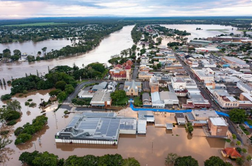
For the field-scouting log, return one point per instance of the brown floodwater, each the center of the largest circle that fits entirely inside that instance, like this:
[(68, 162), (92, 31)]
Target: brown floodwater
[(111, 45), (150, 149)]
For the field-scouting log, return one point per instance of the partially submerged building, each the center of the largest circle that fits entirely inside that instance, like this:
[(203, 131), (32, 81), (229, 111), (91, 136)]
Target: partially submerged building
[(96, 128)]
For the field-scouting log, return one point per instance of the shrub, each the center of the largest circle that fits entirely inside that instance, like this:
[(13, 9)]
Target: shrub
[(6, 97), (22, 138), (12, 115), (18, 131), (27, 103), (4, 132), (12, 122), (29, 100), (32, 104)]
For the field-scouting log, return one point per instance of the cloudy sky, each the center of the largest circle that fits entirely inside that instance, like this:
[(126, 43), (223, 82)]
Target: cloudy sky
[(125, 8)]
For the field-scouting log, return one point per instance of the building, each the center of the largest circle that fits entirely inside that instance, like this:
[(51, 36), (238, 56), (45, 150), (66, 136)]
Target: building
[(235, 62), (208, 63), (218, 126), (101, 98), (146, 99), (146, 86), (120, 72), (196, 101), (180, 118), (100, 86), (141, 126), (200, 42), (230, 152), (146, 115), (84, 94), (204, 114), (178, 83), (144, 75), (207, 49), (132, 88), (96, 128), (224, 99), (205, 74), (156, 100), (169, 98), (244, 87)]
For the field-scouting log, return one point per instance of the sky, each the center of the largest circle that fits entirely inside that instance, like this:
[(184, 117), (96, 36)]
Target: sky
[(126, 8)]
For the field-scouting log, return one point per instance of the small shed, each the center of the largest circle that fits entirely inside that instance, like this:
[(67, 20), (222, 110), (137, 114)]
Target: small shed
[(180, 118), (169, 126)]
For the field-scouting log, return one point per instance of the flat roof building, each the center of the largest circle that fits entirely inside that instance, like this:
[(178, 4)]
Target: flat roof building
[(96, 128), (101, 99), (169, 98)]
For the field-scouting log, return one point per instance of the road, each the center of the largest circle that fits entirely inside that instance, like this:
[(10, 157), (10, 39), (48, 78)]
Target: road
[(77, 90), (135, 72), (200, 85)]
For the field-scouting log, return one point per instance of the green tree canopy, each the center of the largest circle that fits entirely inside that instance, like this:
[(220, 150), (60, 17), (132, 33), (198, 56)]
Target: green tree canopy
[(118, 95), (216, 161), (130, 162), (186, 161), (237, 115)]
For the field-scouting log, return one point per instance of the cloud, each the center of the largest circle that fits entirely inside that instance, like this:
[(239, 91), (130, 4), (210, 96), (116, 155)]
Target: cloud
[(138, 8)]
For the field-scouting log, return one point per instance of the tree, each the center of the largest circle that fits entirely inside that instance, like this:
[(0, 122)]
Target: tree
[(6, 53), (238, 143), (237, 115), (45, 159), (130, 162), (60, 85), (4, 142), (186, 161), (62, 96), (44, 50), (248, 158), (234, 136), (216, 161), (118, 95), (171, 158), (14, 105), (189, 127), (69, 89), (6, 97), (110, 160), (239, 161), (244, 150)]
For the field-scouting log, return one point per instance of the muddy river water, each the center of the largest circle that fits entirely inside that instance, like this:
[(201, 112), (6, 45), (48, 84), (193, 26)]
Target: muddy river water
[(150, 149)]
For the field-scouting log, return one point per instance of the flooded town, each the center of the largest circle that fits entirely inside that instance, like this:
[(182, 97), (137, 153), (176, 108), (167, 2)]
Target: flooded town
[(126, 92)]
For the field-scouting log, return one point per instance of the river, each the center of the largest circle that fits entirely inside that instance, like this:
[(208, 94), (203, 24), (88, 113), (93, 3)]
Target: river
[(32, 48), (111, 45)]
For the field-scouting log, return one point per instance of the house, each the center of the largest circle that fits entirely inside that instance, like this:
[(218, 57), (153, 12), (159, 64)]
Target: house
[(180, 118), (146, 87), (146, 100), (230, 152), (132, 88), (218, 126)]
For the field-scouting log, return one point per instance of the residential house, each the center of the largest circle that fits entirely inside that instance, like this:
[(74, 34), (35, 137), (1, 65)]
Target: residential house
[(231, 152), (146, 100)]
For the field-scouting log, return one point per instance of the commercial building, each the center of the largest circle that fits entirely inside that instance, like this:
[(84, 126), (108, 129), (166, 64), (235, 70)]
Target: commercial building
[(84, 94), (224, 99), (244, 87), (207, 49), (205, 74), (100, 86), (96, 128), (235, 62), (208, 63), (196, 101), (156, 100), (144, 75), (146, 115), (218, 127), (169, 98), (101, 98), (178, 83), (132, 88), (121, 72)]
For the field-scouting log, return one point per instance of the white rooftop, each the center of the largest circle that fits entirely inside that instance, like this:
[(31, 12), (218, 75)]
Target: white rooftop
[(218, 121)]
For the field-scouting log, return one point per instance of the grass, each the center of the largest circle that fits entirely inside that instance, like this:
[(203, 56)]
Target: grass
[(138, 102), (219, 30), (35, 24)]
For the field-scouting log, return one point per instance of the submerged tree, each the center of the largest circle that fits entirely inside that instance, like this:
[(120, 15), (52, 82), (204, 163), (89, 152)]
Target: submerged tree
[(171, 158)]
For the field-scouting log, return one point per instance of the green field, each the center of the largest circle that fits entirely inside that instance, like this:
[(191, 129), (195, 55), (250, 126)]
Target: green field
[(36, 24), (219, 30)]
